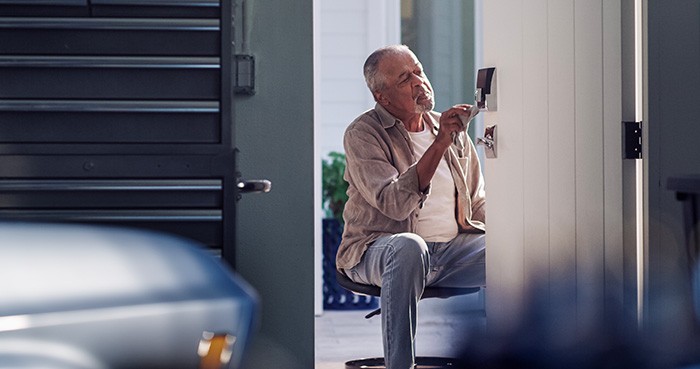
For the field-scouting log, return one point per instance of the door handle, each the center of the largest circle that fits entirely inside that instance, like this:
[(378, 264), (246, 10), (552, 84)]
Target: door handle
[(488, 141), (254, 186)]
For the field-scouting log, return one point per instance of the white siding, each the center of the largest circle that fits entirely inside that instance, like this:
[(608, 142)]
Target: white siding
[(345, 33), (350, 31)]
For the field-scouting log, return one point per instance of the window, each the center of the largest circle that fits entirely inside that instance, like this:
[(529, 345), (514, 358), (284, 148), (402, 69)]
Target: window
[(442, 35)]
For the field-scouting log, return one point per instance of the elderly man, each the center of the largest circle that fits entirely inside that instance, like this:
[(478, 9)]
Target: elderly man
[(415, 215)]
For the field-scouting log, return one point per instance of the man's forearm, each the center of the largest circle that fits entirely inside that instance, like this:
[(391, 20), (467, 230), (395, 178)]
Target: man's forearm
[(428, 163)]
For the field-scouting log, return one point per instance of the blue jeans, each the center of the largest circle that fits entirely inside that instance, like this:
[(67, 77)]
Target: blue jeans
[(403, 265)]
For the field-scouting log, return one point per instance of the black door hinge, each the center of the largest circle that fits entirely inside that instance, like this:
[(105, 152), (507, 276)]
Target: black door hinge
[(632, 136)]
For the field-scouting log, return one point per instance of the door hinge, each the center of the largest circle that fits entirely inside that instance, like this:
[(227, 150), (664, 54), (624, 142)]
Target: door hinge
[(632, 136)]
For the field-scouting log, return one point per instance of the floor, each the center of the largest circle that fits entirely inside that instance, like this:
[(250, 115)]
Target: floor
[(342, 335)]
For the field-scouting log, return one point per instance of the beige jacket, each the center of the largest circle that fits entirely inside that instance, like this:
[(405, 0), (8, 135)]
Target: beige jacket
[(384, 196)]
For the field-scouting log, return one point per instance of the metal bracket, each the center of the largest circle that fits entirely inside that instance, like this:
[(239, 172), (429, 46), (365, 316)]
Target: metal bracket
[(632, 136)]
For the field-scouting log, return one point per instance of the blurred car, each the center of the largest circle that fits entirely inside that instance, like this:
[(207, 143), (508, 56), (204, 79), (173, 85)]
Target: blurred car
[(74, 296)]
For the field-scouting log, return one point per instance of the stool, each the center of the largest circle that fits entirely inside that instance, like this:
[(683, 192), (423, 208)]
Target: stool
[(428, 292)]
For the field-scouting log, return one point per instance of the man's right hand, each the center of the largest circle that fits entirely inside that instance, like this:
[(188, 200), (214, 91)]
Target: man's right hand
[(451, 123)]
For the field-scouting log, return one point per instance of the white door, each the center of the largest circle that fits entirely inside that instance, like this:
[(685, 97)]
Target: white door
[(555, 190)]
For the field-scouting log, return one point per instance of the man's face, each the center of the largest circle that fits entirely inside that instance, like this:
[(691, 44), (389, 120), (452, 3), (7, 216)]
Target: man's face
[(407, 90)]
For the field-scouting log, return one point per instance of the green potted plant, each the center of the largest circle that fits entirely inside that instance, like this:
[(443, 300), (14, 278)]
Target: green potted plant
[(334, 186), (334, 197)]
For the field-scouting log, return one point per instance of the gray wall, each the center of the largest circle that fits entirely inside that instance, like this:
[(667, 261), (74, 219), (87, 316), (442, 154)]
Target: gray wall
[(672, 119), (274, 133)]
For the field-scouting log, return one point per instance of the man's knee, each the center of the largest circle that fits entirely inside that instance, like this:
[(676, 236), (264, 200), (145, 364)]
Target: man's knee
[(409, 248)]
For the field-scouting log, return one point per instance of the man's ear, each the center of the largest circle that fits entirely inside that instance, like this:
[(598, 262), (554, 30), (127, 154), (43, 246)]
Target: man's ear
[(380, 98)]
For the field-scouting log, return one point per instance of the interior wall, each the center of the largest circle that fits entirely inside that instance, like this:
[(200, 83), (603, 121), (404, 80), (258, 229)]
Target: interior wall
[(672, 135), (274, 133)]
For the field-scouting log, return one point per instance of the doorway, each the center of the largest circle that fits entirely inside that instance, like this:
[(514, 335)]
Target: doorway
[(448, 50)]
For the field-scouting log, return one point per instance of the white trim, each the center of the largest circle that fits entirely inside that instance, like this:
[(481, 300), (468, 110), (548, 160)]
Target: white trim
[(318, 213), (384, 27), (639, 167)]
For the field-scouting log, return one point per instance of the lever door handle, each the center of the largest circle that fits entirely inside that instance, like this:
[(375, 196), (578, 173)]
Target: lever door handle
[(488, 141), (254, 186), (484, 141)]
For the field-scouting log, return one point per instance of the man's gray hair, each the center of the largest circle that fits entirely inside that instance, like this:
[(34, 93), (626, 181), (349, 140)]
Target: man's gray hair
[(374, 80)]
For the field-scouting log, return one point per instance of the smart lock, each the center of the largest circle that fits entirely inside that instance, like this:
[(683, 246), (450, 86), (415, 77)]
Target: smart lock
[(486, 99), (485, 94)]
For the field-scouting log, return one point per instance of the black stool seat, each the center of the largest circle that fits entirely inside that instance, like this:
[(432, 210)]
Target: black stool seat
[(428, 292)]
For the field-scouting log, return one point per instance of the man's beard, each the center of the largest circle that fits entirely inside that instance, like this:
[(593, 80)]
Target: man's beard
[(425, 107)]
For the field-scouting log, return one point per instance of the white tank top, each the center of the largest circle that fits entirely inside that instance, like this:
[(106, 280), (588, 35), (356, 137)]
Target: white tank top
[(436, 220)]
